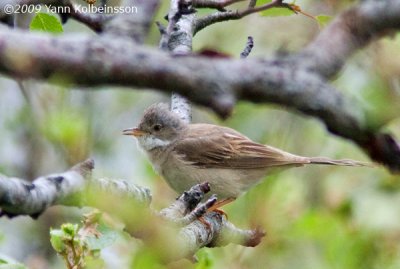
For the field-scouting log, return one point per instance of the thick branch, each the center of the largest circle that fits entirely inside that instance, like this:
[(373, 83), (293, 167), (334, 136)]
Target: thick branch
[(292, 81)]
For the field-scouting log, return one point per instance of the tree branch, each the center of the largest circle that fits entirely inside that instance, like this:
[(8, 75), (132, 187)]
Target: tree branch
[(217, 4), (122, 24), (178, 37), (75, 188), (94, 21), (208, 20), (20, 197), (293, 81), (349, 32), (135, 26)]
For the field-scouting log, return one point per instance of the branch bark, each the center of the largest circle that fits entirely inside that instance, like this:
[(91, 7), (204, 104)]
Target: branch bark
[(179, 40), (224, 15), (298, 81), (76, 188)]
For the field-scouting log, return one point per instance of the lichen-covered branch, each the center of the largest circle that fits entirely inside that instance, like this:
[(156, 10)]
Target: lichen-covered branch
[(20, 197), (212, 230), (76, 188), (179, 37)]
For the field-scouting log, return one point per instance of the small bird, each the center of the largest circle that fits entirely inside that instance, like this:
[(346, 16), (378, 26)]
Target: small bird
[(188, 154)]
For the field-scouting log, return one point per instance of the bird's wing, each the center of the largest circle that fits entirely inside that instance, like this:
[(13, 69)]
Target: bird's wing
[(221, 147)]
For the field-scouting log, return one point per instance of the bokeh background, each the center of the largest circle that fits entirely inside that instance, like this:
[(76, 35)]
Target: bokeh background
[(315, 217)]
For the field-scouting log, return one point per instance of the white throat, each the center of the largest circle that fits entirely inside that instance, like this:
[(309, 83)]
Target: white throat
[(149, 142)]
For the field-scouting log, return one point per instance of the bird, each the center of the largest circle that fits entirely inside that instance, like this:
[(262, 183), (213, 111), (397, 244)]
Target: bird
[(186, 154)]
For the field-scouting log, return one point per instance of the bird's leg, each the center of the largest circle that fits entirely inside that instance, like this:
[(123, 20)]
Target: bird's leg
[(219, 204), (215, 208)]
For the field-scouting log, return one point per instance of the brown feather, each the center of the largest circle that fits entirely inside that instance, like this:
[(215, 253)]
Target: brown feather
[(211, 146)]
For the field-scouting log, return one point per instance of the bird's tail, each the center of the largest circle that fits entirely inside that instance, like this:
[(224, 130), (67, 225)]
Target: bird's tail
[(344, 162)]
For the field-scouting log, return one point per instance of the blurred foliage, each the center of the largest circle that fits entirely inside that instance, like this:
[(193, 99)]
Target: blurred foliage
[(314, 217), (323, 20), (9, 263)]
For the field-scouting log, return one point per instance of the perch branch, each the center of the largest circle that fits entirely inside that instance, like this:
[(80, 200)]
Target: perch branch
[(71, 188), (195, 234)]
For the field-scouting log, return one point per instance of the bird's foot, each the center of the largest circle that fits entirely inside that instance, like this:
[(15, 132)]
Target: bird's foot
[(221, 203), (215, 208)]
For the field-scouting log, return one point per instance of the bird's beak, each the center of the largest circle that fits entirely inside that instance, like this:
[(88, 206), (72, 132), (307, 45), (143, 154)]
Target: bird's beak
[(133, 131)]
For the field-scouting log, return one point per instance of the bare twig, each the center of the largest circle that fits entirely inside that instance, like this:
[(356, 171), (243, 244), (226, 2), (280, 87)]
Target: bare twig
[(203, 22), (217, 4), (252, 3), (94, 21), (164, 36), (248, 48)]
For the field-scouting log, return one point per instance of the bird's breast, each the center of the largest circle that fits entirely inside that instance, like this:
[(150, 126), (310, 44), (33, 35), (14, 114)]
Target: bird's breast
[(226, 183)]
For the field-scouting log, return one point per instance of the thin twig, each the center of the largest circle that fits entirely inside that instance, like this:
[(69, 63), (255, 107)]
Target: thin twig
[(252, 3), (203, 22), (248, 48), (164, 36), (93, 21), (220, 5)]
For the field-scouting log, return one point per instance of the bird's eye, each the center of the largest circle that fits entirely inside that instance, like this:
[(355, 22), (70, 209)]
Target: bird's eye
[(157, 127)]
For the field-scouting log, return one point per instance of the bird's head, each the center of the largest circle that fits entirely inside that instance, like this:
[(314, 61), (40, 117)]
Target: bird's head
[(158, 127)]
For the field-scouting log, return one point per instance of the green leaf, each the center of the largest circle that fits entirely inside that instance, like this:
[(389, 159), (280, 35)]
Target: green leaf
[(70, 230), (107, 238), (46, 23), (56, 240), (323, 20)]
